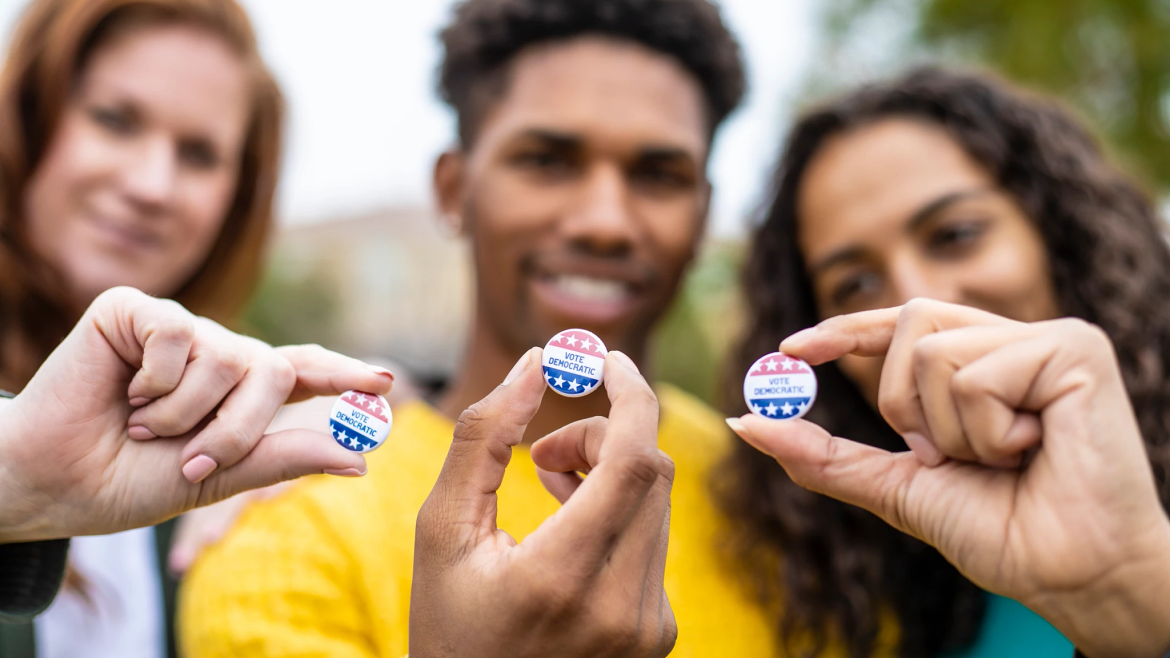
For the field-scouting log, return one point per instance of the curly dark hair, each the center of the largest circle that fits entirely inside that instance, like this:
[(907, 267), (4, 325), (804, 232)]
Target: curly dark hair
[(1110, 265), (485, 35)]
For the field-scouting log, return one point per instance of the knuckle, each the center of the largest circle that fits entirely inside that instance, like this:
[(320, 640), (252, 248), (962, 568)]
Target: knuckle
[(231, 361), (232, 442), (640, 467), (284, 375), (470, 424), (666, 466)]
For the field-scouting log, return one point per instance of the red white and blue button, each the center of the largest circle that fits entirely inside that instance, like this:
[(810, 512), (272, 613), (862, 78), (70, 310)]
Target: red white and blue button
[(779, 386), (360, 421), (574, 362)]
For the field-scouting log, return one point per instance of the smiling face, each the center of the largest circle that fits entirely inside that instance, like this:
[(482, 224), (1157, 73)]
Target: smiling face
[(584, 193), (897, 210), (142, 167)]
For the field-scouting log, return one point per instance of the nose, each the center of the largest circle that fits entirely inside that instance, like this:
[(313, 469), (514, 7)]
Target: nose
[(912, 277), (150, 173), (601, 220)]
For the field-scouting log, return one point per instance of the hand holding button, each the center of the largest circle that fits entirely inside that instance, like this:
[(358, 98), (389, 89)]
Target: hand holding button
[(1034, 481), (589, 580), (143, 398)]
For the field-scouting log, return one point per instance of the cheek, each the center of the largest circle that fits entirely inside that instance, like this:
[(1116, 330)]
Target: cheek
[(73, 168), (202, 208), (1012, 279), (865, 372)]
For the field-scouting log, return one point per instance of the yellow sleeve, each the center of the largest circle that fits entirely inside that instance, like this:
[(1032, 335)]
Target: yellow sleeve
[(280, 584)]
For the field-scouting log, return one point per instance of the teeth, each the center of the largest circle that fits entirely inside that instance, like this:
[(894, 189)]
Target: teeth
[(591, 289)]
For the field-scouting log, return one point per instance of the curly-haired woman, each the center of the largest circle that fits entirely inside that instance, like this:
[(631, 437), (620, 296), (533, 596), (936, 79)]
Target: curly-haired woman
[(959, 188)]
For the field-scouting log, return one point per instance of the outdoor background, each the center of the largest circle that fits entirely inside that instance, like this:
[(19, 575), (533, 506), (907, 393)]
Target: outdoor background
[(360, 265)]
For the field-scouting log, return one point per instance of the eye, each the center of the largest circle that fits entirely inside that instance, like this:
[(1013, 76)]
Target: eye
[(198, 154), (547, 162), (956, 238), (116, 121), (855, 290), (660, 177)]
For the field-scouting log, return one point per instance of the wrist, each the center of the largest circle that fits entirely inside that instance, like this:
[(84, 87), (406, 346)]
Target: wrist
[(20, 517), (1127, 613)]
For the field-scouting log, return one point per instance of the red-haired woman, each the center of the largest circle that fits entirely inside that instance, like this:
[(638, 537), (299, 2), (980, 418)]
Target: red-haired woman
[(139, 146)]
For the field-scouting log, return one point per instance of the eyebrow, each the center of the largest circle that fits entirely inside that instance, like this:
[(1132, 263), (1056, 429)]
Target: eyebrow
[(569, 142), (920, 217)]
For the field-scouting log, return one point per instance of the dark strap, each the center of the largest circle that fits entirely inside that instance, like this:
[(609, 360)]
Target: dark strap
[(30, 575)]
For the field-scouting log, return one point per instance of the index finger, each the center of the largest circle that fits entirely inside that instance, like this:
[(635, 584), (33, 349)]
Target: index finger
[(872, 333)]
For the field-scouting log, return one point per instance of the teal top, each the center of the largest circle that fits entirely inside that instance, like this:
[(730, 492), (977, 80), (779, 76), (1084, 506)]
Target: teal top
[(1011, 630)]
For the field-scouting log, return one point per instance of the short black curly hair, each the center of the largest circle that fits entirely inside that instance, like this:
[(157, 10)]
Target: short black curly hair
[(484, 36)]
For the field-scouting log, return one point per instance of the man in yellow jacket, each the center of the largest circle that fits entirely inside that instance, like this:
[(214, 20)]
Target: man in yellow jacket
[(580, 181)]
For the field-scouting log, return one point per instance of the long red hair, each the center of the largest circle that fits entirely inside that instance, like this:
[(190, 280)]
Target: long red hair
[(49, 50)]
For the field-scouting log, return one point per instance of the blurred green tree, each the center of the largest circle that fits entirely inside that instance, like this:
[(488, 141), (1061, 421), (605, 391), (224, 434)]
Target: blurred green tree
[(1109, 58)]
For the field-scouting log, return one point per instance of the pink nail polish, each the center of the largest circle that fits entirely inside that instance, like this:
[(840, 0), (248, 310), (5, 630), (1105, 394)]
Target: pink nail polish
[(140, 433), (379, 370), (198, 468), (926, 451)]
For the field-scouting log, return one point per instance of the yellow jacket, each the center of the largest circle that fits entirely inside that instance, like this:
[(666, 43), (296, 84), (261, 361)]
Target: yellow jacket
[(325, 569)]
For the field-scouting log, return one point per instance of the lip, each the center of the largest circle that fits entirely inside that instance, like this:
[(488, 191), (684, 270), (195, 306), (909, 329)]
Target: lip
[(586, 291), (128, 236)]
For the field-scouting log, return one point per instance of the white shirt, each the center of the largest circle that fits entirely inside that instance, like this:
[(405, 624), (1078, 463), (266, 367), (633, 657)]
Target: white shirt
[(125, 618)]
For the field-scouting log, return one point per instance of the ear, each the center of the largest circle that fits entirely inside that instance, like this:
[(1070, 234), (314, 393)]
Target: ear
[(448, 188)]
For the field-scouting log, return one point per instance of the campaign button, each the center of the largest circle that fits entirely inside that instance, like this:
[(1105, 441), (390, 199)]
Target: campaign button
[(360, 421), (574, 361), (780, 386)]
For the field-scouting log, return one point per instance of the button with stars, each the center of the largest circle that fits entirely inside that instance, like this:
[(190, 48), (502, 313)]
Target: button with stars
[(780, 386), (574, 362), (360, 421)]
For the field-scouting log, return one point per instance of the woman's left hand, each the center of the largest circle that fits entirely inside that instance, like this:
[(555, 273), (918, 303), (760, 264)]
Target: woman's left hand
[(1037, 484)]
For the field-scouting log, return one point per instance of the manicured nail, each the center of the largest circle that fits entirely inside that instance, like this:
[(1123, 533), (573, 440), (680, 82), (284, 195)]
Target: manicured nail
[(926, 451), (799, 337), (139, 402), (379, 370), (518, 368), (345, 472), (140, 433), (737, 426), (199, 468), (179, 561), (629, 363)]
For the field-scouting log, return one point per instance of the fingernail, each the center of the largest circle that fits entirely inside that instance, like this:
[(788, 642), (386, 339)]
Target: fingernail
[(179, 561), (800, 336), (199, 468), (926, 451), (1007, 463), (737, 426), (140, 433), (139, 401), (345, 472), (629, 363), (518, 368), (379, 370)]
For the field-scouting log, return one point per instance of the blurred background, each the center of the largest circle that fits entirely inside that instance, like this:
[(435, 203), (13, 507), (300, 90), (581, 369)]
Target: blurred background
[(361, 266)]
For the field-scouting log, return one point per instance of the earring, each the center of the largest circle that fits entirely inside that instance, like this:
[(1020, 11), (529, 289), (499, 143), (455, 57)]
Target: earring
[(451, 224)]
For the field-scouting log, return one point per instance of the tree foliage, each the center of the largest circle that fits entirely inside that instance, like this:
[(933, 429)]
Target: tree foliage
[(1109, 58)]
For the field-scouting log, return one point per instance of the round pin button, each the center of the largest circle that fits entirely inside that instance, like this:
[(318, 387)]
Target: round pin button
[(780, 386), (574, 362), (360, 421)]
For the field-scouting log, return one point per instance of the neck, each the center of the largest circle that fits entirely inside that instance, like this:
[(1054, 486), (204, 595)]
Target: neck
[(490, 359)]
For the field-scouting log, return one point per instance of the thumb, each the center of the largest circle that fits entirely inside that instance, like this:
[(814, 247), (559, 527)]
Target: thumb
[(871, 478), (465, 494), (282, 456)]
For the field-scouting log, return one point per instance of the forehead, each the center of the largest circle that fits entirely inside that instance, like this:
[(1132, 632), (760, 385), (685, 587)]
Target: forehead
[(611, 93), (873, 178), (181, 72)]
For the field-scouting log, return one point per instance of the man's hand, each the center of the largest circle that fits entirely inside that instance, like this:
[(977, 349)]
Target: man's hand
[(1036, 484), (589, 580), (145, 411)]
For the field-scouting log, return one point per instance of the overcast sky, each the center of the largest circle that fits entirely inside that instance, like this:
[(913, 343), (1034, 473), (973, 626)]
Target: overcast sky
[(366, 124)]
